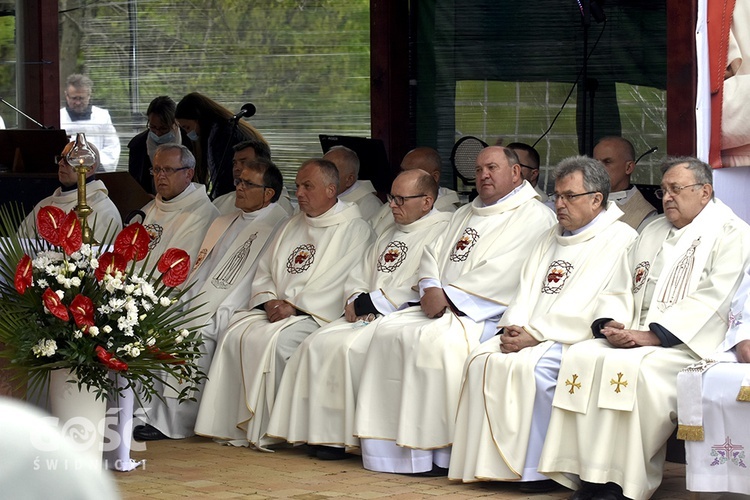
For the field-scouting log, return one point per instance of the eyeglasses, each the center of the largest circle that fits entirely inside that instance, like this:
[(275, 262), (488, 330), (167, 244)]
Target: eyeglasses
[(399, 200), (247, 184), (160, 131), (59, 158), (165, 170), (526, 166), (674, 190), (76, 98), (567, 198)]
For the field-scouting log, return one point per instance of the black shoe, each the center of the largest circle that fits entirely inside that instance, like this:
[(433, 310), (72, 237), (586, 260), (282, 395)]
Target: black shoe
[(541, 486), (585, 491), (435, 472), (596, 491), (331, 453), (147, 433)]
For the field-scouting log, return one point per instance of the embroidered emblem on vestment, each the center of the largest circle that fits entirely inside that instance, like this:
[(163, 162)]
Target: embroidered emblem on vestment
[(463, 246), (300, 259), (573, 384), (154, 231), (728, 452), (678, 279), (734, 319), (231, 269), (201, 257), (392, 256), (557, 273), (640, 274), (619, 383)]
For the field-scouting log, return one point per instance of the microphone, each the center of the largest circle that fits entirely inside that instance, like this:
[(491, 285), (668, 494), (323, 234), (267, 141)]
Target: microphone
[(650, 151), (247, 110)]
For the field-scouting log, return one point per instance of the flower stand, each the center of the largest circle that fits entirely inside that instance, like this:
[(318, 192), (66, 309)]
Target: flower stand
[(80, 415)]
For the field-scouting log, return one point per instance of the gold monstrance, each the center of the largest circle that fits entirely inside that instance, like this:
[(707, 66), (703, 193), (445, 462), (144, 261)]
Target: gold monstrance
[(83, 158)]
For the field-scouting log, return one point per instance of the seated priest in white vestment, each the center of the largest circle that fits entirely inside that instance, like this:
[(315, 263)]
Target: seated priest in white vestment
[(618, 156), (351, 189), (408, 392), (608, 436), (220, 283), (181, 213), (317, 397), (244, 153), (299, 287), (529, 160), (105, 218), (577, 272), (713, 405), (427, 159)]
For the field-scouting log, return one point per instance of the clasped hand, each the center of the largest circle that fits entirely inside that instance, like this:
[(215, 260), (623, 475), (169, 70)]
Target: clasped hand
[(514, 338), (619, 336), (276, 310)]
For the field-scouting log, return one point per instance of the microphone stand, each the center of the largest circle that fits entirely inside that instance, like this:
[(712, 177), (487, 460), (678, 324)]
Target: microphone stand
[(586, 21), (23, 114)]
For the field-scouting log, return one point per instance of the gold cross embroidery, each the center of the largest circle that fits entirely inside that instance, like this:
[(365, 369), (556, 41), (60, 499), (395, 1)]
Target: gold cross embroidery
[(619, 382), (573, 384)]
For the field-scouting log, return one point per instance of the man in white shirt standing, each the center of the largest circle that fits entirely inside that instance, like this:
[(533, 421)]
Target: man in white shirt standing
[(80, 116)]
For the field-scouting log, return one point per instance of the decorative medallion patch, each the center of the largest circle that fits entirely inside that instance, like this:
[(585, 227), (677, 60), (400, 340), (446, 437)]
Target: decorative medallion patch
[(728, 452), (735, 319), (640, 274), (463, 246), (154, 232), (392, 257), (557, 274), (300, 259)]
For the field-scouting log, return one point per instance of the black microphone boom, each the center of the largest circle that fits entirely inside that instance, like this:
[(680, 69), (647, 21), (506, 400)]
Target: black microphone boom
[(650, 151), (247, 110)]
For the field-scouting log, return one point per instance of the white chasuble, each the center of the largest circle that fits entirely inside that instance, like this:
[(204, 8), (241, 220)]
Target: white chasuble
[(221, 283), (317, 396), (104, 220), (362, 194), (181, 222), (306, 266), (566, 284), (412, 372), (684, 280)]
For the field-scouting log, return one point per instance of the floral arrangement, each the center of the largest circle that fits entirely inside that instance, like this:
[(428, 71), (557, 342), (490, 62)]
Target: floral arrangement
[(65, 305)]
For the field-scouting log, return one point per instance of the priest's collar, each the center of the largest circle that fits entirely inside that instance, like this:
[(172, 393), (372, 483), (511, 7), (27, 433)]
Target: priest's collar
[(622, 196), (506, 197), (257, 213), (350, 188), (73, 187), (583, 228), (184, 194)]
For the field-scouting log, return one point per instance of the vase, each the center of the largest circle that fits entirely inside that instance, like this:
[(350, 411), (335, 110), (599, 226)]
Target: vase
[(81, 416)]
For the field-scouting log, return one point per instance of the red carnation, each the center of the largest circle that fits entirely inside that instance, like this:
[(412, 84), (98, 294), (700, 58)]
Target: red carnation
[(54, 304), (174, 266), (48, 222), (23, 274), (82, 309), (110, 263), (71, 236), (132, 242)]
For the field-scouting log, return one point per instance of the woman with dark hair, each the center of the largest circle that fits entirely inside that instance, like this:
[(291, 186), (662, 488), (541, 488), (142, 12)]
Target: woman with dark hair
[(161, 128), (213, 131)]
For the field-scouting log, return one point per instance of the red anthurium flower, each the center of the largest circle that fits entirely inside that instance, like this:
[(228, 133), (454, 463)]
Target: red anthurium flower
[(23, 274), (71, 236), (82, 309), (54, 304), (109, 360), (174, 266), (48, 222), (109, 263), (165, 356), (132, 242)]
